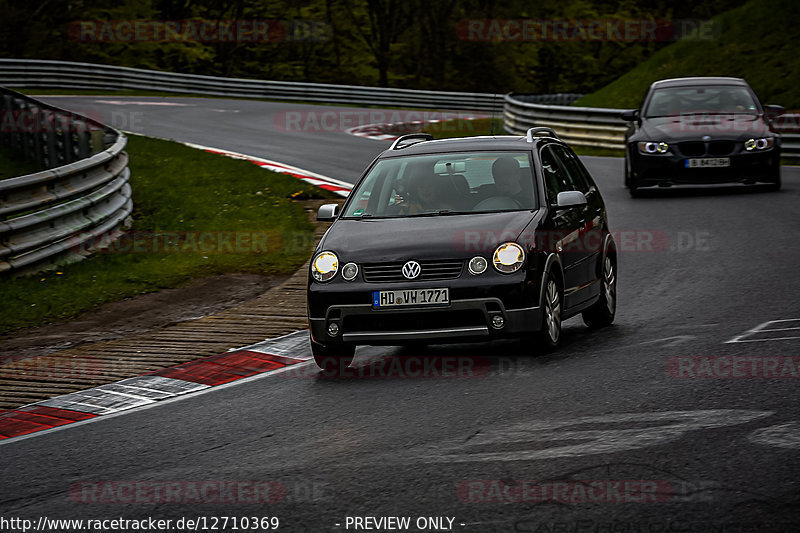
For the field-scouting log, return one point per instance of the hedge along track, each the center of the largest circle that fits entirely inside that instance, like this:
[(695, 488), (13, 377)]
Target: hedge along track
[(278, 311)]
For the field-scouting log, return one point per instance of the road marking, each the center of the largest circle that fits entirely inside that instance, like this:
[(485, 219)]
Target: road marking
[(342, 188), (793, 325), (780, 436), (678, 339), (538, 433), (136, 102)]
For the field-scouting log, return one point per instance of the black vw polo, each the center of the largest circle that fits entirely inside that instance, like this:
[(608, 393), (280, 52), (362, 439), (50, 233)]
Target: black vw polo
[(462, 240)]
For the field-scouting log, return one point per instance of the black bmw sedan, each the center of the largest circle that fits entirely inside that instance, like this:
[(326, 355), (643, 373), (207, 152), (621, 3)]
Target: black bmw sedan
[(700, 131), (461, 240)]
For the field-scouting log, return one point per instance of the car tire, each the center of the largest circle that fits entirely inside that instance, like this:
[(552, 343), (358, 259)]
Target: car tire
[(333, 359), (548, 337), (602, 312)]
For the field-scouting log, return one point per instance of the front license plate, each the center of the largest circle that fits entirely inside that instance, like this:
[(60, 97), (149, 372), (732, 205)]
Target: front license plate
[(410, 297), (706, 162)]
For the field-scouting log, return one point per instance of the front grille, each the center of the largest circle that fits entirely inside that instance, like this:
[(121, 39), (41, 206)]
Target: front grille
[(413, 320), (721, 147), (692, 148), (429, 271)]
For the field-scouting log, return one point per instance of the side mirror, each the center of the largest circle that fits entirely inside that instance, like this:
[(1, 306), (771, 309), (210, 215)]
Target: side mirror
[(773, 111), (328, 212), (629, 115), (567, 199)]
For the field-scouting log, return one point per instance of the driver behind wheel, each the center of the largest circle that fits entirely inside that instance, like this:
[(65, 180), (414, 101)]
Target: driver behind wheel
[(505, 171), (426, 195)]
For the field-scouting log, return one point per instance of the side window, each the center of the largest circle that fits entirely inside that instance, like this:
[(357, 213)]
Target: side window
[(556, 178), (574, 168)]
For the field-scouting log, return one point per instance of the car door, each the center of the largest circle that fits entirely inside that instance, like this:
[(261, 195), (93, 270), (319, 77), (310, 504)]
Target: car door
[(591, 231), (566, 225)]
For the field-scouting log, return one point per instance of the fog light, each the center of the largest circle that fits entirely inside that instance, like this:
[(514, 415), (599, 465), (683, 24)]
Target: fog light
[(350, 271), (333, 329), (477, 265), (498, 321)]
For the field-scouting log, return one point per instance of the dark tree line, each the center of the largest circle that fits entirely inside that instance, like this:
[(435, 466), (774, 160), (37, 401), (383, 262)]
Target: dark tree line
[(397, 43)]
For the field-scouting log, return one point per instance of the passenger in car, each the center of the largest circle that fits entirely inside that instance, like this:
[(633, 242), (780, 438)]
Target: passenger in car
[(506, 176)]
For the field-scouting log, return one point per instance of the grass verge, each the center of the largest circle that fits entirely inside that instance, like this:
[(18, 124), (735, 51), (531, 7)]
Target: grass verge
[(757, 42), (195, 214)]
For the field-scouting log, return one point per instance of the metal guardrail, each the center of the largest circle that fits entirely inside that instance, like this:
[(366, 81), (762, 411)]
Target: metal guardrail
[(602, 127), (76, 205), (36, 73), (581, 126)]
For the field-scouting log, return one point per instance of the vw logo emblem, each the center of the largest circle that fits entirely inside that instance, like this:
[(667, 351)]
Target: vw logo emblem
[(411, 270), (706, 138)]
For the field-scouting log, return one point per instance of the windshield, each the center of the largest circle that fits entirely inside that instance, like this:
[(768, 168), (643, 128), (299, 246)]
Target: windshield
[(443, 184), (713, 100)]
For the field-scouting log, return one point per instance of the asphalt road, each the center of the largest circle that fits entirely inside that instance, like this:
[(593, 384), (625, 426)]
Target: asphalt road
[(710, 454)]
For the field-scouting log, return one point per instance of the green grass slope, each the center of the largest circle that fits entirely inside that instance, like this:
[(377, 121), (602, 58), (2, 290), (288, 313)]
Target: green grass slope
[(759, 42)]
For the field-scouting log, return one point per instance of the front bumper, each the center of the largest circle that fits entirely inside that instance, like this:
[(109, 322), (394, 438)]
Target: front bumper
[(670, 169), (460, 321), (474, 301)]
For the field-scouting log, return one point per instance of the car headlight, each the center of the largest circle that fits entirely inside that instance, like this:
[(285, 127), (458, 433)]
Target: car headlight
[(650, 147), (764, 143), (508, 257), (324, 266)]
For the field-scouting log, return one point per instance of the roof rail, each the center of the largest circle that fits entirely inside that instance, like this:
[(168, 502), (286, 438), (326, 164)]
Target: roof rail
[(421, 136), (550, 132)]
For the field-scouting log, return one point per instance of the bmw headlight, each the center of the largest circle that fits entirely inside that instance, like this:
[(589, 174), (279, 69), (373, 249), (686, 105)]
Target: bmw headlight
[(508, 257), (764, 143), (324, 266), (650, 148)]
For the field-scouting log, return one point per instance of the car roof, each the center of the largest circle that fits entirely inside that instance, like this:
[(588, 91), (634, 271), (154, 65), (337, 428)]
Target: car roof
[(467, 144), (683, 82)]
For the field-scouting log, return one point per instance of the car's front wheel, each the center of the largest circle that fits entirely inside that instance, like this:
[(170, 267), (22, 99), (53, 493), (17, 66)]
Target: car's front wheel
[(603, 311), (333, 358), (547, 338)]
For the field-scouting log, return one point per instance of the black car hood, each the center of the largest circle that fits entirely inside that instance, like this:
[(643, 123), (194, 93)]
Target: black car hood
[(693, 128), (434, 237)]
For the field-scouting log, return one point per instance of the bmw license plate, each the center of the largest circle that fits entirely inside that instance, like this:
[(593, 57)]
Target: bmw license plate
[(410, 297), (707, 162)]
